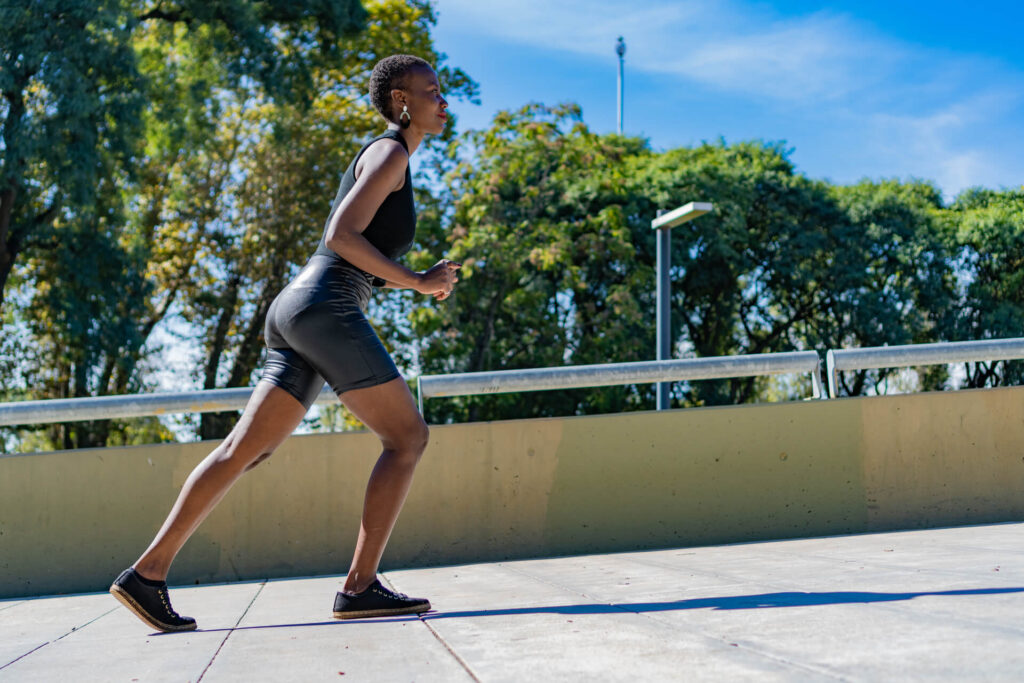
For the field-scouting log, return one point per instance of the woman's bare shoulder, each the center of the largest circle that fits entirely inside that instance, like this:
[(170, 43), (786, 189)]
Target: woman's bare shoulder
[(384, 155)]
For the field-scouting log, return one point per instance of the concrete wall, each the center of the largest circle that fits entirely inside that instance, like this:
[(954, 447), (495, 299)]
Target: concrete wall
[(70, 521)]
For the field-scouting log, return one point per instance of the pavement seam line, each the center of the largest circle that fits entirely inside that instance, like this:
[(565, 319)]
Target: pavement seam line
[(231, 630), (451, 650), (717, 639), (440, 639), (25, 655), (74, 629)]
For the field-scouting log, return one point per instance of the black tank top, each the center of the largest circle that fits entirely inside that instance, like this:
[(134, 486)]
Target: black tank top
[(393, 228)]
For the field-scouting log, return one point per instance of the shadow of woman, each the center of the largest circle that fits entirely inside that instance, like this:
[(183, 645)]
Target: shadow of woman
[(760, 601), (734, 602)]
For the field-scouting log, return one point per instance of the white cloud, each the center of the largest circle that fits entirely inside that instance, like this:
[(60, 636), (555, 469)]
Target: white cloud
[(720, 43), (918, 108), (814, 58), (946, 144), (582, 27)]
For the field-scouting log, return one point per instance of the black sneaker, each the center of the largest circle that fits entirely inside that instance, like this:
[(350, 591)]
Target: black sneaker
[(376, 601), (149, 601)]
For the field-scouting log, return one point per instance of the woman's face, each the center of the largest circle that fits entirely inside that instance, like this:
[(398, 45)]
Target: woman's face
[(426, 104)]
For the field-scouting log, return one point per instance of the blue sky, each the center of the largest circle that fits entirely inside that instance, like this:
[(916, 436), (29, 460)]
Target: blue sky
[(931, 90)]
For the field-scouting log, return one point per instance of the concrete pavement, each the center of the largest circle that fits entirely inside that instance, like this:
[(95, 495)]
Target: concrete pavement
[(945, 604)]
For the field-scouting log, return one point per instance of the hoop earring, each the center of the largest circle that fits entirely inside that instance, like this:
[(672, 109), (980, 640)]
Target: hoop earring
[(405, 118)]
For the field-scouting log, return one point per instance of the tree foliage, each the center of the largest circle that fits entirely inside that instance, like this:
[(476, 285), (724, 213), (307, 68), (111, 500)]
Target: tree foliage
[(244, 112), (553, 224), (173, 161), (73, 92), (987, 227), (550, 274)]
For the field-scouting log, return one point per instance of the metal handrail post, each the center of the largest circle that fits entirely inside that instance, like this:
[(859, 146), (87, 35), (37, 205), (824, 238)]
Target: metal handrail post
[(419, 393), (909, 355), (817, 391), (831, 373)]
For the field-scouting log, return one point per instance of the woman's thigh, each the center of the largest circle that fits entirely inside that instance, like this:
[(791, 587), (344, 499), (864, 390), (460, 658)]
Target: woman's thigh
[(271, 415), (388, 410)]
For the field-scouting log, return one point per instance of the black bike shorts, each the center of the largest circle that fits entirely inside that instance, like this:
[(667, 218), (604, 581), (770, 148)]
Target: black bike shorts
[(316, 330)]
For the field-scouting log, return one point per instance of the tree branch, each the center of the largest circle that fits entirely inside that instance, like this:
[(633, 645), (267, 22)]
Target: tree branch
[(175, 17), (46, 216)]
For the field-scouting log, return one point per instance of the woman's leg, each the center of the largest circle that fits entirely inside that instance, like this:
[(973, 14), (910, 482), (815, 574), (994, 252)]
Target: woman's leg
[(270, 416), (389, 411)]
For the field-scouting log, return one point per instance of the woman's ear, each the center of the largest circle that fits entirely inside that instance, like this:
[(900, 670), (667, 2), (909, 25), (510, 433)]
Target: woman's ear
[(397, 97)]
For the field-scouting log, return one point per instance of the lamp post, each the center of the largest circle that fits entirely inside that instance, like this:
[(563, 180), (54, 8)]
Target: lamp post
[(620, 50), (663, 223)]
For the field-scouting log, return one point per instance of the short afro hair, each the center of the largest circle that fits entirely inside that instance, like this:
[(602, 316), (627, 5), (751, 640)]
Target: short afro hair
[(388, 74)]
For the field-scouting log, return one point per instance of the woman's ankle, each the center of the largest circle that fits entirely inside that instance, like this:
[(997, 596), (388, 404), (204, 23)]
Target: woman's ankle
[(150, 572), (356, 583)]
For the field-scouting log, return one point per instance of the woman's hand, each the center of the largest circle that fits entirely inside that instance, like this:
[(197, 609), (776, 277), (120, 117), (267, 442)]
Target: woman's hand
[(439, 280)]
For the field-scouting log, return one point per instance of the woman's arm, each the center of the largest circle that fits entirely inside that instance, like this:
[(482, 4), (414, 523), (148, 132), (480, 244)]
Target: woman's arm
[(439, 295), (381, 171)]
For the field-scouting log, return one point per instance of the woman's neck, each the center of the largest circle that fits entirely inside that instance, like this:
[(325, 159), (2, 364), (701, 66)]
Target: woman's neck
[(412, 137)]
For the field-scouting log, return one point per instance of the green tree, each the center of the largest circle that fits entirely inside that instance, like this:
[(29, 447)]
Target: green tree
[(71, 98), (72, 92), (84, 168), (550, 275), (987, 227), (892, 281), (553, 224), (786, 263), (746, 278)]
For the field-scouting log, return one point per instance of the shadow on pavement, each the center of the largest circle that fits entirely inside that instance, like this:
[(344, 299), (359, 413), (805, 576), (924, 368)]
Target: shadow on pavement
[(761, 601)]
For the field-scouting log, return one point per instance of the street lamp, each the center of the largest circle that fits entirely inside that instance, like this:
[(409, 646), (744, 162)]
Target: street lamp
[(620, 50), (663, 223)]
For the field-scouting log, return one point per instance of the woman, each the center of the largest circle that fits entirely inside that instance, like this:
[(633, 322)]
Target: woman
[(316, 330)]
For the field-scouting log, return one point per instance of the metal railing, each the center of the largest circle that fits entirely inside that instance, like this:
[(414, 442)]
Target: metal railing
[(572, 377), (609, 374), (541, 379), (838, 360), (131, 405)]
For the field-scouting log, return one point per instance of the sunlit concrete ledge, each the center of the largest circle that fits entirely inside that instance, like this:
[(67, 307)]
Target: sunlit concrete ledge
[(70, 521)]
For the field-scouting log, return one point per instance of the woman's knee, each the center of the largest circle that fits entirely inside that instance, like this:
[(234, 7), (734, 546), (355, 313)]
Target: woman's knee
[(412, 441), (422, 436)]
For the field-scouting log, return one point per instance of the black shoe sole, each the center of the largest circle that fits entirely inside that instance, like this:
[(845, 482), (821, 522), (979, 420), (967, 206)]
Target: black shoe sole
[(128, 601), (415, 609)]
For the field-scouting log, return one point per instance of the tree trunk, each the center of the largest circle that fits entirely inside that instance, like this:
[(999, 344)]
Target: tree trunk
[(10, 240), (217, 425), (9, 244), (251, 346)]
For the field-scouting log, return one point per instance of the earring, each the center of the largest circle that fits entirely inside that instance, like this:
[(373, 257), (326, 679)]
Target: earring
[(405, 118)]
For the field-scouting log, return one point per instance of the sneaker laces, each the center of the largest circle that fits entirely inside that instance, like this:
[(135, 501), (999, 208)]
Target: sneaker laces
[(164, 598), (387, 592)]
